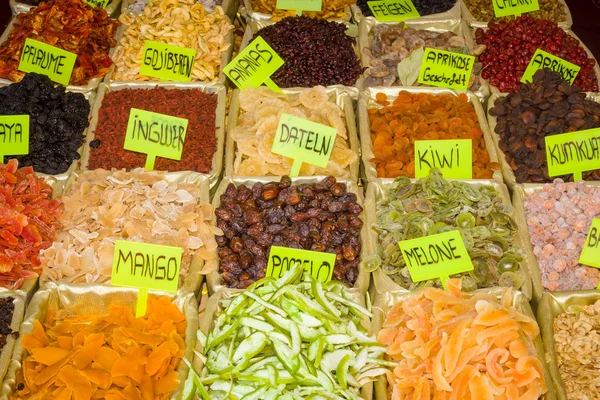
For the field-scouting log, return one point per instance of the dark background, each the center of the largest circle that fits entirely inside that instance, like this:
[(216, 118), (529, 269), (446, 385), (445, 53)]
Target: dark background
[(586, 21)]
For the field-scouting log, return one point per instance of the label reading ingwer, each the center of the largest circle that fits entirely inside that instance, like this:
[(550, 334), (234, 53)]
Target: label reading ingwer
[(544, 60), (282, 259), (14, 135), (57, 64), (590, 254), (452, 157), (503, 8), (254, 65), (573, 153), (393, 10), (446, 69), (167, 61)]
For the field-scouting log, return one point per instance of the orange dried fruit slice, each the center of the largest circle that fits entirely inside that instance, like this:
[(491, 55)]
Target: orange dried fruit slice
[(49, 355)]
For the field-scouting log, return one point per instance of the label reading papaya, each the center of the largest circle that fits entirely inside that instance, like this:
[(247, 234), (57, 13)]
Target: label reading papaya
[(97, 3), (304, 141), (573, 153), (167, 61), (254, 66), (155, 134), (300, 5), (503, 8), (446, 69), (453, 157), (393, 10), (14, 135), (282, 259), (544, 60), (590, 254), (57, 64), (436, 256)]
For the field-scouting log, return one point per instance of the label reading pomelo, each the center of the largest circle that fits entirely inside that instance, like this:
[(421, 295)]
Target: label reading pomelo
[(503, 8), (393, 10), (446, 69), (544, 60), (304, 141), (57, 64), (97, 3), (282, 259), (436, 256), (590, 254), (300, 5), (146, 267), (14, 135), (254, 66), (453, 157), (155, 134), (573, 153), (167, 61)]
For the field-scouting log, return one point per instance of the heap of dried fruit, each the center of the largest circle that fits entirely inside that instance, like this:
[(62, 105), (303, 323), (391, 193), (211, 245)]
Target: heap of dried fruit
[(137, 6), (106, 150), (576, 334), (182, 23), (7, 308), (550, 10), (547, 106), (434, 205), (141, 206), (258, 121), (331, 9), (474, 346), (559, 218), (316, 52), (511, 44), (104, 356), (70, 25), (320, 216), (424, 7), (423, 116), (28, 223)]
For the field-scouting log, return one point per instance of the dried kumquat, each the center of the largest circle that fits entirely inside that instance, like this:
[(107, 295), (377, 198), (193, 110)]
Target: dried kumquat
[(423, 116), (110, 356)]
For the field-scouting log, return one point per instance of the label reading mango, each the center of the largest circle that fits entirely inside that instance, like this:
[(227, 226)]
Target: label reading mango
[(453, 157), (155, 135), (304, 141), (300, 5), (282, 259), (167, 61), (254, 66), (14, 135), (393, 10), (503, 8), (573, 153), (544, 60), (97, 3), (436, 256), (446, 69), (590, 254), (57, 64)]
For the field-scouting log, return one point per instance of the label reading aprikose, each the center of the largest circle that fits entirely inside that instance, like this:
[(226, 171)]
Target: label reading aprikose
[(544, 60)]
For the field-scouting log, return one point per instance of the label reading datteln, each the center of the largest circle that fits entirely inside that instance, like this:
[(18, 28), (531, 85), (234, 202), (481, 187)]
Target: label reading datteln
[(446, 69), (57, 64), (393, 10), (573, 153), (167, 61), (453, 157), (155, 135), (544, 60), (436, 256), (304, 141), (590, 254), (503, 8), (14, 135), (254, 66), (97, 3), (300, 5), (282, 259)]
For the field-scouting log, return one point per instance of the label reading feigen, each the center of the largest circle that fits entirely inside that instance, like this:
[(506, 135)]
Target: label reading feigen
[(544, 60), (254, 65), (573, 153), (452, 157), (590, 254), (393, 10), (503, 8), (282, 259), (300, 5), (155, 134), (57, 64), (97, 3), (304, 141), (167, 61), (14, 135), (446, 69), (436, 256)]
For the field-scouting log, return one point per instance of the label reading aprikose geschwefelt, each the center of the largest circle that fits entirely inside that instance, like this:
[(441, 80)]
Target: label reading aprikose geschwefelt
[(446, 69)]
